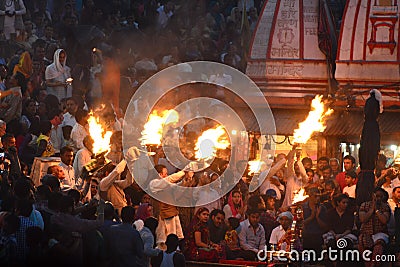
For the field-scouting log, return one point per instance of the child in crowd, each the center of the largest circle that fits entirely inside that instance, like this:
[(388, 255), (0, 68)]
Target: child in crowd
[(67, 136), (231, 236), (350, 179)]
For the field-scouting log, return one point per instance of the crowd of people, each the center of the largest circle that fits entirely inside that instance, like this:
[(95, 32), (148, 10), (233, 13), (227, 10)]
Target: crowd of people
[(61, 59)]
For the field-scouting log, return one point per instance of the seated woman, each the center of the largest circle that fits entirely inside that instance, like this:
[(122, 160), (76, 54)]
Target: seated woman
[(235, 207), (198, 245), (340, 222), (374, 216)]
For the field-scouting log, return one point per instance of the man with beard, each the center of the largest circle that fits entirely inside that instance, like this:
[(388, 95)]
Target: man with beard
[(216, 226), (349, 163), (67, 157)]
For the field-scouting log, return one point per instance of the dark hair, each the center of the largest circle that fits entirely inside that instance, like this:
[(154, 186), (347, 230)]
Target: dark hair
[(109, 211), (323, 159), (351, 174), (306, 160), (310, 170), (253, 201), (22, 188), (394, 189), (200, 210), (24, 207), (172, 242), (233, 222), (350, 157), (385, 194), (54, 113), (44, 191), (236, 191), (253, 211), (51, 181), (151, 223), (6, 137), (80, 114), (326, 168), (65, 203), (330, 183), (128, 214), (50, 169), (52, 103), (215, 212), (45, 127), (27, 102), (75, 194), (381, 158), (339, 198), (159, 168), (66, 149), (39, 42), (78, 101)]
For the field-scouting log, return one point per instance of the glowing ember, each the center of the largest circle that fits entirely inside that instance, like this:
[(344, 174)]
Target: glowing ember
[(315, 121), (153, 129), (100, 137), (209, 141), (299, 196), (254, 166)]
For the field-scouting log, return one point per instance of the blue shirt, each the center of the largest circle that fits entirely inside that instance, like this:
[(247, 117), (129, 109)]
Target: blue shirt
[(250, 239)]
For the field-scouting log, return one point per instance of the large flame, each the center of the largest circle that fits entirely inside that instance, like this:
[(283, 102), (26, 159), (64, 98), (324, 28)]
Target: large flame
[(209, 141), (255, 166), (315, 121), (153, 129), (100, 137), (299, 196)]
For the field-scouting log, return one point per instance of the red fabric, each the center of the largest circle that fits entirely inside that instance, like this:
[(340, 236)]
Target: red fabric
[(232, 206), (340, 178)]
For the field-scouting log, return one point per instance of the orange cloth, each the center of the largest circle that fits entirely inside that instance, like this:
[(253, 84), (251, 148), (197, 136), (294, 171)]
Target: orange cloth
[(24, 65)]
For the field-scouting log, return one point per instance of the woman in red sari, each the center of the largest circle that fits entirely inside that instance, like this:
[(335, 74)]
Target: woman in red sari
[(198, 245)]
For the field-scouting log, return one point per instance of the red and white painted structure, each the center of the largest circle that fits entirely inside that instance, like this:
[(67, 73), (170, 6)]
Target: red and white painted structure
[(284, 58), (369, 52), (287, 64)]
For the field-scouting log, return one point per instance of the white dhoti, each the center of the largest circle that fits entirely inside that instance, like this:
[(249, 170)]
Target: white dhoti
[(168, 226)]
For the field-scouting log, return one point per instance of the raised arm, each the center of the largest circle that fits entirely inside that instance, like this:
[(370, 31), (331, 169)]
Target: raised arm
[(290, 168), (106, 182)]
